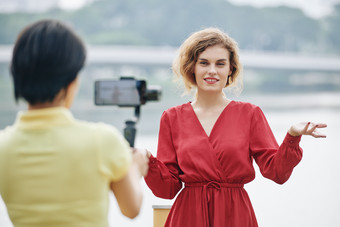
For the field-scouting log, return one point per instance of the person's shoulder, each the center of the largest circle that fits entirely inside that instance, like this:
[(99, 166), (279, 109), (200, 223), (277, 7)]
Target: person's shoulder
[(106, 135), (176, 110), (6, 132), (112, 149), (97, 127), (7, 129), (246, 106)]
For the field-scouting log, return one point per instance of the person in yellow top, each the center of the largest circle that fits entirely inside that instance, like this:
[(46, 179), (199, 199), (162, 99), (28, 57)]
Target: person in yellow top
[(56, 170)]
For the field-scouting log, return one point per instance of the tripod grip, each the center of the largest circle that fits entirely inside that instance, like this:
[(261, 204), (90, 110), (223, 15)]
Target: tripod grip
[(130, 132)]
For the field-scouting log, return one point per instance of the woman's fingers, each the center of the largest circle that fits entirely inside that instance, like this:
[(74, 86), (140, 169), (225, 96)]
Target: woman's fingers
[(311, 130), (315, 133), (305, 129), (322, 125)]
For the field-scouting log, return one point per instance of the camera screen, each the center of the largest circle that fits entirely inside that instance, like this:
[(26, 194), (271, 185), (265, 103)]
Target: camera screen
[(118, 92)]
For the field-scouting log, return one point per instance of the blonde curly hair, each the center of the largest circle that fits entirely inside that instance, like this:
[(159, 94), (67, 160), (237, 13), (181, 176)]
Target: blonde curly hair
[(194, 45)]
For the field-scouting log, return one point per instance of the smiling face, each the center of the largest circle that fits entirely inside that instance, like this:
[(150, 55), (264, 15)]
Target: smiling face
[(212, 69)]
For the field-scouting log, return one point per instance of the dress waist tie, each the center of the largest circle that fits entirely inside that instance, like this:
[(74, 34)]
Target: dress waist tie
[(206, 197)]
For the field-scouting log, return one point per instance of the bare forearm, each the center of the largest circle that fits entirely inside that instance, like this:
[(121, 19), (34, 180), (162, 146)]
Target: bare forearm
[(128, 193)]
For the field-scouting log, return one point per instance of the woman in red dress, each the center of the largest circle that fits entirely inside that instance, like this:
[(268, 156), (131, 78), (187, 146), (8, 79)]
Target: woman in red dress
[(207, 146)]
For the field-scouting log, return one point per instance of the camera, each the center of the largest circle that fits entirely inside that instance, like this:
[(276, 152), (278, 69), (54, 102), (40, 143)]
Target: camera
[(125, 92)]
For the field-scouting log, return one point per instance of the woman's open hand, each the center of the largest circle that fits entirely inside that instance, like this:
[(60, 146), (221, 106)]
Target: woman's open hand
[(307, 128)]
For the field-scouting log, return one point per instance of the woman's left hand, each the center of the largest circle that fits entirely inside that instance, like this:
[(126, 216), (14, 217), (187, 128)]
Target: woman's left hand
[(307, 128)]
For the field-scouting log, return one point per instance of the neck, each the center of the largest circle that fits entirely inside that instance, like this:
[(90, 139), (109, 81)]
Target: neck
[(60, 100), (43, 105), (210, 100)]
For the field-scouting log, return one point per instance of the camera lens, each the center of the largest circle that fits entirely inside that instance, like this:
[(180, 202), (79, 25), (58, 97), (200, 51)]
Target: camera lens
[(153, 93)]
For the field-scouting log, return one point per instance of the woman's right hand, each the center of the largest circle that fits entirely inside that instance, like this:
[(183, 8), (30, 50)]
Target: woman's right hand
[(307, 128), (141, 159)]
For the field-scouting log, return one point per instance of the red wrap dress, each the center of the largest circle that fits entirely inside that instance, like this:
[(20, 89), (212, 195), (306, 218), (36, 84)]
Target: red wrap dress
[(213, 169)]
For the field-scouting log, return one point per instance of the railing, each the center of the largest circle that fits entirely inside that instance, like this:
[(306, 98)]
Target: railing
[(164, 56)]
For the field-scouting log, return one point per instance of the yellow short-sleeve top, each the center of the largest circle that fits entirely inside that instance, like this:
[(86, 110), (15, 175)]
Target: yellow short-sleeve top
[(56, 170)]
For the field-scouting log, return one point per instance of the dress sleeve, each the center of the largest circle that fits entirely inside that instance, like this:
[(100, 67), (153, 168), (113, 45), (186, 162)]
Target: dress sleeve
[(275, 162), (163, 175)]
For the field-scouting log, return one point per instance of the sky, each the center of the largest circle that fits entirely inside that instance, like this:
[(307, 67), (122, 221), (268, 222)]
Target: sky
[(72, 4), (312, 8)]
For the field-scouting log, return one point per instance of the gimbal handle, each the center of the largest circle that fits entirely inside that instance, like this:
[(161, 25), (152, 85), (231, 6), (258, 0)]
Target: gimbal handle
[(130, 128)]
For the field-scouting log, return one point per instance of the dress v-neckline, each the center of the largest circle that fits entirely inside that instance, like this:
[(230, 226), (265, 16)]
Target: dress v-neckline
[(215, 124)]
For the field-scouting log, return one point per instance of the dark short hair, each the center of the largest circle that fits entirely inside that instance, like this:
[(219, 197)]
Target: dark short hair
[(47, 57)]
